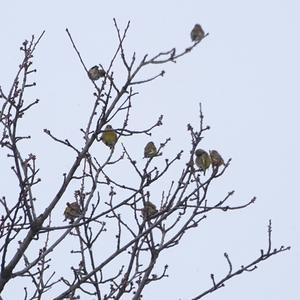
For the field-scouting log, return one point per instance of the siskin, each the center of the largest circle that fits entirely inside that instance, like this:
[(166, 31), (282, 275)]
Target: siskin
[(95, 73), (150, 150), (109, 137), (216, 158), (202, 160), (149, 210), (72, 211), (197, 33)]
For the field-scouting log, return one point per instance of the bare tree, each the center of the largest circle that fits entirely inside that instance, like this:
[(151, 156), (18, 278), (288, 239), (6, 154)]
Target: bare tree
[(140, 228)]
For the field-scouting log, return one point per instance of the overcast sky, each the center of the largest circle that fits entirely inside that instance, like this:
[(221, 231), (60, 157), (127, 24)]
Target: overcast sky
[(245, 73)]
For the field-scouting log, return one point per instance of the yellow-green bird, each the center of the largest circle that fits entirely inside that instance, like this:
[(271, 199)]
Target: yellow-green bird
[(197, 33), (203, 160), (95, 73), (72, 211), (150, 150), (149, 210), (216, 158), (109, 137)]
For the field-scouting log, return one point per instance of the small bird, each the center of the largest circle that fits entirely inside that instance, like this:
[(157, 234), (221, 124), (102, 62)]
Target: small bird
[(203, 160), (216, 158), (109, 136), (72, 211), (149, 210), (150, 150), (197, 33), (95, 73)]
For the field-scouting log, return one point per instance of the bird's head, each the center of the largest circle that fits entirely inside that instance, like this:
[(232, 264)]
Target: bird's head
[(108, 127), (199, 152)]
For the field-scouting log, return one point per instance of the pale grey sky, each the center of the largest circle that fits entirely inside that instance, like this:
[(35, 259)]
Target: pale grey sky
[(246, 75)]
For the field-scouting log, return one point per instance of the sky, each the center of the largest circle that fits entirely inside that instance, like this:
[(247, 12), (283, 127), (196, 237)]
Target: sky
[(244, 74)]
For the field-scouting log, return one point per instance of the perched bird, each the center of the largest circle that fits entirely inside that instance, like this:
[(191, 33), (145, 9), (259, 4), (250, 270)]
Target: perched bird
[(109, 137), (149, 210), (95, 73), (197, 33), (150, 150), (216, 158), (72, 211), (203, 160)]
